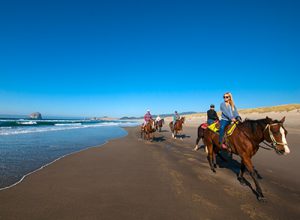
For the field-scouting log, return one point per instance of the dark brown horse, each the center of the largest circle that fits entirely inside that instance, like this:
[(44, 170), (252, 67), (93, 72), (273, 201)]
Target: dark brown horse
[(159, 124), (148, 130), (245, 142), (177, 128)]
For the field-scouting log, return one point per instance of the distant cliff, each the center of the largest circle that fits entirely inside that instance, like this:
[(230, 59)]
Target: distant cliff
[(35, 115), (154, 116)]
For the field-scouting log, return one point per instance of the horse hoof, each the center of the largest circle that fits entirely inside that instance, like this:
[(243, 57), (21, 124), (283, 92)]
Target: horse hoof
[(242, 181), (261, 199), (213, 170)]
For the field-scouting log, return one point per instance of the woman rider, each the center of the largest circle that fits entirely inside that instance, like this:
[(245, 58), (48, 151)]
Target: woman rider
[(229, 114), (147, 118)]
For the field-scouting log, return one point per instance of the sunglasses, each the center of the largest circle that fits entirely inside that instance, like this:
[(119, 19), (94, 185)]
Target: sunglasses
[(225, 97)]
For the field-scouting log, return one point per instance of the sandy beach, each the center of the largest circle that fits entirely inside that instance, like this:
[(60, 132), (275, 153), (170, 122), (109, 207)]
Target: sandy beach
[(130, 178)]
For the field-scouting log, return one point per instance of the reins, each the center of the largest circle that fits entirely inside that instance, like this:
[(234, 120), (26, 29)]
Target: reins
[(274, 142)]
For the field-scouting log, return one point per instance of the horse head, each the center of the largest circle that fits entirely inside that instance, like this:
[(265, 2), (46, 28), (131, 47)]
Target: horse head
[(275, 133), (182, 119)]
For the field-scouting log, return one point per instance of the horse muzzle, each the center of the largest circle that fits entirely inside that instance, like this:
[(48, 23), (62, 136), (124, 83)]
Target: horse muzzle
[(282, 151)]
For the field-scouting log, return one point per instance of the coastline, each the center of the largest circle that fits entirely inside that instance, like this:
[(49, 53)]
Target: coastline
[(130, 178), (57, 159)]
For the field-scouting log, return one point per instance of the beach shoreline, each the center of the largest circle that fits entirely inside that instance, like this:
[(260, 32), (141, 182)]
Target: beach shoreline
[(55, 160), (130, 178)]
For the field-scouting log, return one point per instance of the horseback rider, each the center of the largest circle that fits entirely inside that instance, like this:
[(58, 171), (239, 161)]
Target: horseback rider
[(176, 117), (147, 118), (229, 114), (157, 119), (212, 115)]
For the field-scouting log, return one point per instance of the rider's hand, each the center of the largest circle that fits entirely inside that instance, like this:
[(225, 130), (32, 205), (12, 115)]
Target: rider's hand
[(233, 120)]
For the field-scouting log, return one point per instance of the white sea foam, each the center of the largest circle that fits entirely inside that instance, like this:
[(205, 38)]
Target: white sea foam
[(60, 127), (70, 124), (27, 122)]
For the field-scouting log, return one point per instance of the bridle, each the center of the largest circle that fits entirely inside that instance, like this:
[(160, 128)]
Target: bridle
[(274, 142)]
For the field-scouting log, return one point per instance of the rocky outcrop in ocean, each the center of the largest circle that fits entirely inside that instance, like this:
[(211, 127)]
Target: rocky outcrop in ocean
[(35, 115)]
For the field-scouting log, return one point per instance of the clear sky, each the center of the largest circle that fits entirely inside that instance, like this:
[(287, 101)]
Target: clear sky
[(116, 58)]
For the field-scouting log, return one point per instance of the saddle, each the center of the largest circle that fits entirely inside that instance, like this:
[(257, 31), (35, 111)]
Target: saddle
[(216, 126)]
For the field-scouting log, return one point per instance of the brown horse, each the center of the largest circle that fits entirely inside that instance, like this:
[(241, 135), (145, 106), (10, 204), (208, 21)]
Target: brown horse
[(159, 124), (245, 142), (177, 128), (148, 130)]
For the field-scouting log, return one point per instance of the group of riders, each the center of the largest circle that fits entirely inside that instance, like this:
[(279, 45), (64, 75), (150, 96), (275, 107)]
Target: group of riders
[(229, 114), (148, 118), (241, 138)]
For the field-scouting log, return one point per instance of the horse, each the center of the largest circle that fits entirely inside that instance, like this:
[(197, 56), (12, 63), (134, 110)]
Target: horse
[(245, 142), (159, 124), (147, 130), (177, 128)]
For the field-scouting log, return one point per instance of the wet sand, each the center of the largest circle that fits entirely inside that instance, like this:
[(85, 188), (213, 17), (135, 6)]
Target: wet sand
[(130, 178)]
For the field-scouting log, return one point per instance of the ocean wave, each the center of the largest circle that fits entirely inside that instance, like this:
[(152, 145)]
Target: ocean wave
[(26, 122), (60, 127), (70, 124)]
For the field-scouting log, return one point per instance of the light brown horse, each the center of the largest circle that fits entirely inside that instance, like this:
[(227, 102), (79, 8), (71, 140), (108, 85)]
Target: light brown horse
[(177, 128), (245, 142), (147, 131), (159, 124)]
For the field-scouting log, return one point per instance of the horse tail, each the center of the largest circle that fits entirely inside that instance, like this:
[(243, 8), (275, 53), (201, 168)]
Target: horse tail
[(171, 126), (200, 134)]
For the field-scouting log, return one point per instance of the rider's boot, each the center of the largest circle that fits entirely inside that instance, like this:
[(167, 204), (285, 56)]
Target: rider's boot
[(223, 145)]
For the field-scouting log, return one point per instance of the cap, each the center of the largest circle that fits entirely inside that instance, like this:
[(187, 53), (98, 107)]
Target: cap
[(212, 105)]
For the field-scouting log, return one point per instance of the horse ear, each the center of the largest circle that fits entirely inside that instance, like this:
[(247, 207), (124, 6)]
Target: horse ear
[(269, 120), (282, 120)]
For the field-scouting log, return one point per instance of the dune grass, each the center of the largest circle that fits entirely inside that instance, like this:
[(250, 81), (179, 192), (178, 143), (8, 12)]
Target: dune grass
[(279, 108)]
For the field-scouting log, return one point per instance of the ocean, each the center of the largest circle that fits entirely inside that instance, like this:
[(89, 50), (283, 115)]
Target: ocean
[(28, 145)]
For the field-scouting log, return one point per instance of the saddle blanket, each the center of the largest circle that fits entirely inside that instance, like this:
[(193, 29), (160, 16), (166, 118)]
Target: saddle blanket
[(216, 126)]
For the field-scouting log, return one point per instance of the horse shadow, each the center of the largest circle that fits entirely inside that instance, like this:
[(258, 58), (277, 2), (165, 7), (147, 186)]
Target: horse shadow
[(162, 131), (159, 139), (202, 147), (234, 166), (182, 136)]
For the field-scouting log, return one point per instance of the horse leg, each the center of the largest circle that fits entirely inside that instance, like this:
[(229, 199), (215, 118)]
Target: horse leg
[(210, 157), (249, 166), (241, 177), (257, 174), (214, 159), (197, 142)]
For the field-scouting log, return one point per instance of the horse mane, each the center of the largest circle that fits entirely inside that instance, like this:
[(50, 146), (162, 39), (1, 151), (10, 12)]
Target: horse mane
[(253, 124)]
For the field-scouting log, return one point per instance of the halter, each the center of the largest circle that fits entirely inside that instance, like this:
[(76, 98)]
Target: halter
[(274, 142)]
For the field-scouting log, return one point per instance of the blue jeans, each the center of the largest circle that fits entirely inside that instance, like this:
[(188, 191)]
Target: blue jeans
[(210, 121), (223, 124)]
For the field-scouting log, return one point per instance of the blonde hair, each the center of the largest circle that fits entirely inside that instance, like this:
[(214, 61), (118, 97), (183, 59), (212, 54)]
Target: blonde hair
[(231, 102)]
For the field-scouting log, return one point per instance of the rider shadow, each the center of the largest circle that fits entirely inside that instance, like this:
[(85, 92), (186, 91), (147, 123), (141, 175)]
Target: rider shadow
[(234, 166)]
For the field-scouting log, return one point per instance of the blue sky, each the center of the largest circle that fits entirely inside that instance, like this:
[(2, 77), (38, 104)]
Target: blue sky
[(116, 58)]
